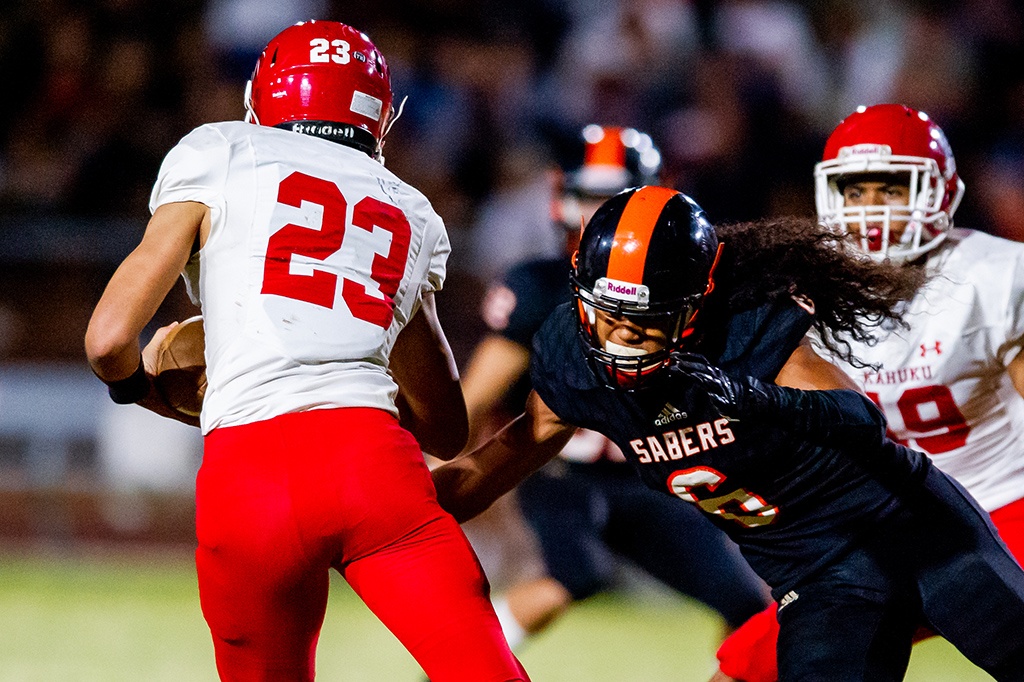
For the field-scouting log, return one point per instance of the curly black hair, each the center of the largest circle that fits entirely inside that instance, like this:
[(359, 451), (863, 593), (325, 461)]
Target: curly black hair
[(852, 295)]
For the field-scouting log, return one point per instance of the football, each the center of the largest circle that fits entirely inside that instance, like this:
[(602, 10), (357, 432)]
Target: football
[(181, 367)]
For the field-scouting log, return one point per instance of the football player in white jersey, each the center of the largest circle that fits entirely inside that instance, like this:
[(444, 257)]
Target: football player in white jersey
[(951, 383), (315, 268)]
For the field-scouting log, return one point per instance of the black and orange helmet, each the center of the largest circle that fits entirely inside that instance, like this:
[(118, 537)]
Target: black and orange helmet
[(611, 159), (604, 161), (648, 253)]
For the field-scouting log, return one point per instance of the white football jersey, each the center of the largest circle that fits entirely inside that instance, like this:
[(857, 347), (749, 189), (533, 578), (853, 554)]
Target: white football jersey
[(943, 384), (317, 257)]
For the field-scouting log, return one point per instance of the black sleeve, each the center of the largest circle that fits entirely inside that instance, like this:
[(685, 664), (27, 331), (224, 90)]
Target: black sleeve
[(559, 370), (840, 419)]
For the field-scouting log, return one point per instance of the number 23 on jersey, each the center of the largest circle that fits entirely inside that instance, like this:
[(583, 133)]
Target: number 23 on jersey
[(320, 286)]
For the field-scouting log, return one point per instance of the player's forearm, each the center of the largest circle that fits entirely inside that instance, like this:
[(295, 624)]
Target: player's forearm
[(440, 427), (494, 367), (470, 483), (430, 401), (848, 420), (840, 417), (460, 488)]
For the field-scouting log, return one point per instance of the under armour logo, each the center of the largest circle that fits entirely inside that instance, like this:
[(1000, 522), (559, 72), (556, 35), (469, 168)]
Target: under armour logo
[(927, 349)]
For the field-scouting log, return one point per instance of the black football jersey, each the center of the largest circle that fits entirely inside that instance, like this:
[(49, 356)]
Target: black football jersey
[(791, 504)]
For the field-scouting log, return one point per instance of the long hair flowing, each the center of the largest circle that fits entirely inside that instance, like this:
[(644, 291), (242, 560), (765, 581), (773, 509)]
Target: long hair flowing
[(852, 295)]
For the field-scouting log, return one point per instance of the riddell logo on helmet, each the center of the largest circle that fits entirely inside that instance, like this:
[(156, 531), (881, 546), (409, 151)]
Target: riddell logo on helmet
[(622, 291), (322, 129), (865, 150)]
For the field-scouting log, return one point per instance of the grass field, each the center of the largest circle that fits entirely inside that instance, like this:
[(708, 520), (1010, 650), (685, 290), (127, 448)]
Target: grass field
[(107, 617)]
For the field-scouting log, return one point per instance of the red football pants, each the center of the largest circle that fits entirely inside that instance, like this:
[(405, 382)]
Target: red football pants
[(280, 502), (749, 653)]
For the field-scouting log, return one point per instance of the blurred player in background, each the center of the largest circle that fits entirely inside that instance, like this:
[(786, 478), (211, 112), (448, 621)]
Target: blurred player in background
[(587, 506), (315, 268), (951, 384), (860, 538)]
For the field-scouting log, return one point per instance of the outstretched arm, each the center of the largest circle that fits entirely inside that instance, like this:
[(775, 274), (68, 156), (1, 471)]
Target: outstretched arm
[(429, 397), (468, 484), (842, 417), (748, 654)]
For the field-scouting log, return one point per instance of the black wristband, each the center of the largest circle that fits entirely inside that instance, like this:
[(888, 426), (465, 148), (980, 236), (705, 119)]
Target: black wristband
[(131, 389)]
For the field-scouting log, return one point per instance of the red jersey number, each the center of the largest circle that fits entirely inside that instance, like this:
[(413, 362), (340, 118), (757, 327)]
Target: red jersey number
[(944, 415), (319, 287)]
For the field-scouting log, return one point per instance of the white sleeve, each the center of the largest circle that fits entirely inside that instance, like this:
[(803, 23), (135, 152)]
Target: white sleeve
[(438, 259), (1014, 317), (194, 170)]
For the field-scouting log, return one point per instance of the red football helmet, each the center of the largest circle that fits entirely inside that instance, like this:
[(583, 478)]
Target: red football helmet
[(323, 78), (893, 139)]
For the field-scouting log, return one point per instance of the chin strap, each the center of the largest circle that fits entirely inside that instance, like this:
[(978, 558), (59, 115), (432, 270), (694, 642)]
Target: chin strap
[(250, 115), (379, 155)]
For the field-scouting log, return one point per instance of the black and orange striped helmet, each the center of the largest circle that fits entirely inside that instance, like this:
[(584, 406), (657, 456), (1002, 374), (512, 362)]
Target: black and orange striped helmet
[(605, 161), (611, 159), (649, 254)]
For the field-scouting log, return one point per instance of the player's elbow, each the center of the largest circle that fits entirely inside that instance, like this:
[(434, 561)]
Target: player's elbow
[(106, 343), (858, 421)]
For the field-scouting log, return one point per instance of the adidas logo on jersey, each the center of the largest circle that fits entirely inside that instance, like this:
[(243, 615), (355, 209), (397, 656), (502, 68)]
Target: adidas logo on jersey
[(788, 599), (668, 415)]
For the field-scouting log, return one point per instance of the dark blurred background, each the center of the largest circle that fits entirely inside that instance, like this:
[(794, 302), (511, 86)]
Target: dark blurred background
[(739, 95)]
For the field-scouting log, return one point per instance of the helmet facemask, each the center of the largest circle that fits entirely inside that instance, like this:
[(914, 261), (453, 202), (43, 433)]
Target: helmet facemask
[(893, 144), (872, 226), (629, 366)]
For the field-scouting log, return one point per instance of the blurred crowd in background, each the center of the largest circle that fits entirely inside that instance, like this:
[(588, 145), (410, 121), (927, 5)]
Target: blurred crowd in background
[(739, 95)]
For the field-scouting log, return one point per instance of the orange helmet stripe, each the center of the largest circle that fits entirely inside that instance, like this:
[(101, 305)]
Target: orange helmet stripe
[(633, 233), (608, 151)]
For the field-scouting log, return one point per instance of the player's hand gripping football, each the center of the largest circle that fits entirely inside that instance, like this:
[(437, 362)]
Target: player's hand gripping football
[(151, 353), (173, 360)]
